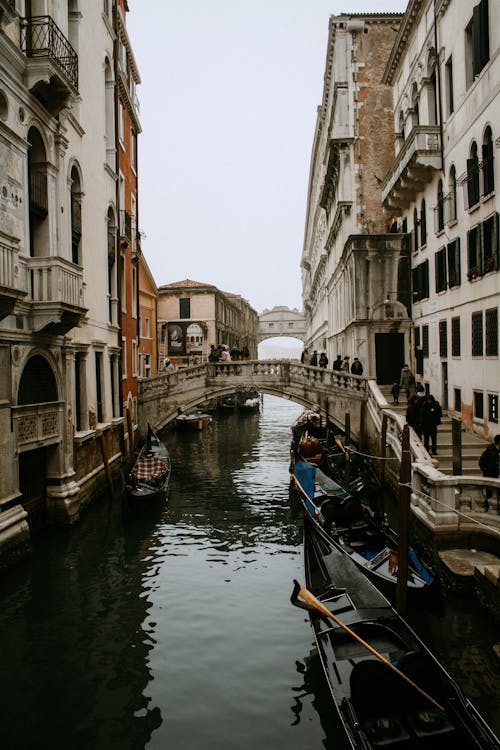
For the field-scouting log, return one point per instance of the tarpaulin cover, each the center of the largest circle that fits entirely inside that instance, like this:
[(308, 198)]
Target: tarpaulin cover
[(148, 468), (306, 475)]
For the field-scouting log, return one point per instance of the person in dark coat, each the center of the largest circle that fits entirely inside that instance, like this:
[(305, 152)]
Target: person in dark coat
[(314, 358), (414, 414), (356, 367), (431, 418), (489, 463), (395, 391), (323, 360), (338, 362)]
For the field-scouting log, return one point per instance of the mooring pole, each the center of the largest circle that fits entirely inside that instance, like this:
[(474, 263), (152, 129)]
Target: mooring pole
[(383, 447), (347, 443), (404, 505)]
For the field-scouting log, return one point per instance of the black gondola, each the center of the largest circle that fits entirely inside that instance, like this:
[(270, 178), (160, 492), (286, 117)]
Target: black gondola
[(148, 481), (352, 527), (389, 690)]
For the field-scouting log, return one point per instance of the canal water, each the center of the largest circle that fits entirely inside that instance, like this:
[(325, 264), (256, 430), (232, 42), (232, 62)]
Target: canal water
[(173, 628)]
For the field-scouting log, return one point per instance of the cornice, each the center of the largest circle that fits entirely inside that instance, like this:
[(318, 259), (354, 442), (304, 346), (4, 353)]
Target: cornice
[(122, 31), (400, 45), (123, 86)]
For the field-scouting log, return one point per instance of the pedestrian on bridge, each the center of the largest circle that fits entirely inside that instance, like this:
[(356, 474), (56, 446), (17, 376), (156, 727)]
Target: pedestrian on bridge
[(345, 364), (305, 357), (407, 381), (356, 367), (489, 463), (323, 359), (338, 362), (314, 358), (431, 418)]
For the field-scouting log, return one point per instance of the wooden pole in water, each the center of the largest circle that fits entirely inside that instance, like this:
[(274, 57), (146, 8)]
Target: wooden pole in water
[(456, 438), (130, 429), (404, 522), (362, 426), (347, 443), (105, 459)]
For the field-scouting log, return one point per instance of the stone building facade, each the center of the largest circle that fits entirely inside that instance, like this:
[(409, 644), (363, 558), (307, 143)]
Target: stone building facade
[(444, 70), (192, 315), (148, 294), (60, 342), (355, 268)]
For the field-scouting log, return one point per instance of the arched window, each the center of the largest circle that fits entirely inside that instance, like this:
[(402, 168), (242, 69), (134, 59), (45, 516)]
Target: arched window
[(473, 177), (76, 215), (440, 207), (401, 125), (488, 175), (452, 196), (38, 195), (423, 224), (38, 384)]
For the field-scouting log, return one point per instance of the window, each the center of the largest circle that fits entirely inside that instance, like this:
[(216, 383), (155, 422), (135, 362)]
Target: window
[(489, 229), (420, 279), (477, 45), (439, 209), (147, 365), (450, 205), (417, 337), (76, 216), (443, 338), (453, 253), (493, 407), (478, 405), (449, 85), (134, 358), (184, 307), (491, 332), (425, 341), (99, 387), (415, 230), (457, 398), (147, 324), (474, 267), (487, 153), (477, 334), (455, 337), (134, 292), (124, 357), (120, 122), (440, 270), (423, 225), (472, 179)]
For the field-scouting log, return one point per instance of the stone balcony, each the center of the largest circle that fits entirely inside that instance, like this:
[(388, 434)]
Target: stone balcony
[(37, 425), (56, 294), (413, 168), (12, 279)]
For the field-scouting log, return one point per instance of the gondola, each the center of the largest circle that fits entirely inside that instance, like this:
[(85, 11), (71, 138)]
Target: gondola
[(251, 403), (343, 519), (148, 481), (195, 421), (390, 692)]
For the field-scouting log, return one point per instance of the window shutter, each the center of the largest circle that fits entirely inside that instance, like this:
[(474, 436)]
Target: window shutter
[(476, 40), (484, 37)]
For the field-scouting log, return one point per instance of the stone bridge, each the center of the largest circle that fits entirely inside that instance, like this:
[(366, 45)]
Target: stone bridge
[(440, 501)]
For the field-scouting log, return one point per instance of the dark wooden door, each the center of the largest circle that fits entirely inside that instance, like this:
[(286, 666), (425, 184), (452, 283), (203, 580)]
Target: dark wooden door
[(33, 483), (389, 356)]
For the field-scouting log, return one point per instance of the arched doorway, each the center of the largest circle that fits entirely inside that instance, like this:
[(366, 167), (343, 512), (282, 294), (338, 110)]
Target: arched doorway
[(37, 386)]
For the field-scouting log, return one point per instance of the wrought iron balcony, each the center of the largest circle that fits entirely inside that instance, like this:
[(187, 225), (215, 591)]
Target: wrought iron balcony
[(56, 294), (125, 228), (412, 168), (12, 279), (53, 63)]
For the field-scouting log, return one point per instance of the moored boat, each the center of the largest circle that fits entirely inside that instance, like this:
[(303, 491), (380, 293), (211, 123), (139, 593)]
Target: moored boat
[(149, 479), (387, 687), (195, 421), (343, 519), (251, 403)]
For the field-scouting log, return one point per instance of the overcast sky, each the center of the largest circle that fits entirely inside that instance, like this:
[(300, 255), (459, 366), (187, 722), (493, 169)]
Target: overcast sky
[(228, 103)]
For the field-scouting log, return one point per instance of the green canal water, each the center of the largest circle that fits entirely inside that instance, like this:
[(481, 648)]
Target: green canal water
[(173, 629)]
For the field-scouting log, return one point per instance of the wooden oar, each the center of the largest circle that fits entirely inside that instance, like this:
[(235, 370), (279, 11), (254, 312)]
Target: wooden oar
[(304, 492), (313, 602)]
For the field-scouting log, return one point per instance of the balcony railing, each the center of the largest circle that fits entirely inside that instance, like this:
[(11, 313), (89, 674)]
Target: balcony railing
[(37, 424), (55, 280), (420, 154), (41, 37)]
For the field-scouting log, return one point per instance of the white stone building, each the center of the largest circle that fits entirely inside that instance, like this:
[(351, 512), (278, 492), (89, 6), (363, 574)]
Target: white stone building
[(59, 344), (443, 184), (355, 269)]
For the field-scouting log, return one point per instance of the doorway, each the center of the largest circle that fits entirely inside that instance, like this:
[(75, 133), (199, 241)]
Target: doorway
[(444, 385), (389, 356), (33, 486)]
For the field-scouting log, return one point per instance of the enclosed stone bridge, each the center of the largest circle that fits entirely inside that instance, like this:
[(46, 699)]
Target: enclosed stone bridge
[(441, 502)]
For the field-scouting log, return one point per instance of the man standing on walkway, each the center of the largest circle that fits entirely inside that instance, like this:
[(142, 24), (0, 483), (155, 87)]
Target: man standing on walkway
[(407, 381), (489, 463)]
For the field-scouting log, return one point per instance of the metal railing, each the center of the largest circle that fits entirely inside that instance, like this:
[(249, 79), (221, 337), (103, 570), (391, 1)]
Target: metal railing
[(41, 37), (423, 139)]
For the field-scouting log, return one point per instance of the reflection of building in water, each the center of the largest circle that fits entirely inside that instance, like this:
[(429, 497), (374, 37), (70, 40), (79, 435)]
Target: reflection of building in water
[(192, 315)]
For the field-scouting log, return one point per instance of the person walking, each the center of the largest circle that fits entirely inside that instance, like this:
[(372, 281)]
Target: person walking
[(314, 358), (323, 359), (305, 357), (356, 367), (407, 381), (489, 463), (338, 363), (395, 392), (414, 414), (431, 418)]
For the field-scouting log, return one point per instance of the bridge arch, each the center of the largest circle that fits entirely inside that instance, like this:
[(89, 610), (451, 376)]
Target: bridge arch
[(281, 321)]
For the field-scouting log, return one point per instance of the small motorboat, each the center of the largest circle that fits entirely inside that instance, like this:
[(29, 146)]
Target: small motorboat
[(389, 690), (343, 519), (251, 403), (150, 476), (195, 421)]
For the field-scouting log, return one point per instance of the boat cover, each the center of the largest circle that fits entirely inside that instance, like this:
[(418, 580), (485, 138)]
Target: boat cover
[(148, 468)]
